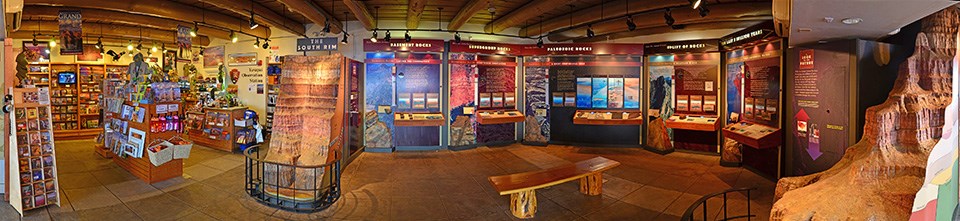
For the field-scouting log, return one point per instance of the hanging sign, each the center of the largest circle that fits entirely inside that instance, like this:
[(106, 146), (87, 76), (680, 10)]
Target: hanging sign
[(71, 34), (583, 49), (401, 45), (183, 37), (694, 46), (317, 44)]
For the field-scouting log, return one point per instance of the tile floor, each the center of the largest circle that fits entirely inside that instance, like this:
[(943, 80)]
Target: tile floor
[(443, 185)]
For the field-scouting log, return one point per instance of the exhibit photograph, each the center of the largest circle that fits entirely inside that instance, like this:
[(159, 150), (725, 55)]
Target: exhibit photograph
[(599, 110)]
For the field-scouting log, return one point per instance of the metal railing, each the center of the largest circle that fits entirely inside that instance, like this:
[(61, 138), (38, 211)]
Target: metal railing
[(688, 215), (265, 185)]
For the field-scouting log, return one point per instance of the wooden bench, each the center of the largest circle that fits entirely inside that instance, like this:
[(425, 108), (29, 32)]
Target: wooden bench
[(521, 186)]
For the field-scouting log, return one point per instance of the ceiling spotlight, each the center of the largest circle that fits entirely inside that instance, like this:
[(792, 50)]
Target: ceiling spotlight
[(326, 27), (694, 3), (704, 11), (253, 24), (193, 32), (373, 38), (34, 40), (344, 41), (668, 17), (456, 37), (129, 45), (139, 45), (590, 32), (154, 48), (266, 43), (540, 42), (99, 44), (53, 41), (257, 43), (406, 36), (233, 37), (201, 50), (630, 25), (386, 36)]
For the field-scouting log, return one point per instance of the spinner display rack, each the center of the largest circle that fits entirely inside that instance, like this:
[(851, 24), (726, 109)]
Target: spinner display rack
[(33, 182)]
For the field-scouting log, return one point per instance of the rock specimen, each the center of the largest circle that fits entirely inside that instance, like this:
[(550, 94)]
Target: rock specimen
[(659, 138), (731, 151), (461, 132), (306, 106), (376, 132), (878, 177)]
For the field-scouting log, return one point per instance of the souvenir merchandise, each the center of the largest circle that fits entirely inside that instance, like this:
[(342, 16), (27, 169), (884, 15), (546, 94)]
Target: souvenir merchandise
[(34, 152)]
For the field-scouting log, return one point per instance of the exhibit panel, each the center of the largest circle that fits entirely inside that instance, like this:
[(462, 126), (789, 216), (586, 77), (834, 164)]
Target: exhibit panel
[(538, 101), (684, 99), (402, 95), (753, 79), (593, 99), (827, 92), (483, 93)]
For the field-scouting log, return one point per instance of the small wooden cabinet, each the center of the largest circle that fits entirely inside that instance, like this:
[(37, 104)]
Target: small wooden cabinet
[(499, 116), (217, 130)]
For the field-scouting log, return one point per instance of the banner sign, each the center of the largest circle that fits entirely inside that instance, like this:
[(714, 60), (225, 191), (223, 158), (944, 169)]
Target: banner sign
[(583, 49), (485, 48), (709, 45), (317, 44), (71, 34), (183, 37), (746, 36), (401, 45)]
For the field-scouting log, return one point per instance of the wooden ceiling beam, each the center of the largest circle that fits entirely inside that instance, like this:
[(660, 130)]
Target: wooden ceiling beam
[(668, 30), (415, 12), (264, 15), (162, 9), (524, 13), (466, 12), (314, 13), (110, 30), (718, 12), (610, 9), (360, 11), (115, 17)]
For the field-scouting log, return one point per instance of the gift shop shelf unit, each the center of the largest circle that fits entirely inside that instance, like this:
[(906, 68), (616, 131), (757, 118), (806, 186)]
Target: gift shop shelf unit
[(218, 130), (141, 167), (74, 102), (273, 91)]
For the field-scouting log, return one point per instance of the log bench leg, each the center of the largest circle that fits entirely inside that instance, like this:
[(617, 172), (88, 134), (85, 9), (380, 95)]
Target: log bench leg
[(592, 184), (523, 205)]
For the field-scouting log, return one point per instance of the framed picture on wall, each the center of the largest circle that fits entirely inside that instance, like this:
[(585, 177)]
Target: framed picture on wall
[(557, 99), (615, 93), (242, 59), (696, 103), (169, 60), (509, 99), (709, 103), (433, 100), (403, 101), (36, 51), (497, 100), (419, 101), (683, 103), (570, 99), (631, 93), (484, 100)]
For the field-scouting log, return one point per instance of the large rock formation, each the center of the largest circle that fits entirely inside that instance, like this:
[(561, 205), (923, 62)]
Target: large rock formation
[(878, 177)]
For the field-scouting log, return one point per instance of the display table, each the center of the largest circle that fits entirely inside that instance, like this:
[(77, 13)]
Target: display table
[(141, 167), (697, 123), (217, 130), (499, 116), (618, 117), (754, 135), (418, 119)]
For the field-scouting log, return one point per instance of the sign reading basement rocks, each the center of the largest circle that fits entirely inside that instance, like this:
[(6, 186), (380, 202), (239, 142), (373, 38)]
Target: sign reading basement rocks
[(317, 44), (401, 45)]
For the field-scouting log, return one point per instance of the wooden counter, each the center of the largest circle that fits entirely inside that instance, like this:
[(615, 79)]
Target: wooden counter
[(219, 141), (499, 116), (616, 117), (754, 135), (418, 119), (693, 123)]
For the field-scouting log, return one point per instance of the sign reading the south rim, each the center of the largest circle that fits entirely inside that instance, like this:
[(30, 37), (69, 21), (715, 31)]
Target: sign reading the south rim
[(317, 44)]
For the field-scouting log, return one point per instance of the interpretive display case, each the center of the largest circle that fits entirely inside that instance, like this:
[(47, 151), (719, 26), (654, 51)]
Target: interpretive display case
[(684, 91), (417, 119), (622, 117), (499, 116), (218, 130)]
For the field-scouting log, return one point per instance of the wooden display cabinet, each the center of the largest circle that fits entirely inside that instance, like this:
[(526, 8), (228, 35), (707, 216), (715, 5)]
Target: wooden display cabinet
[(499, 116), (754, 135), (141, 167), (608, 117), (75, 108), (217, 130), (418, 119), (697, 123)]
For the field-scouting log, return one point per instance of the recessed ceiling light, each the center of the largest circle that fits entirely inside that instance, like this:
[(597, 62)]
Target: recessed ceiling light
[(828, 19), (851, 21)]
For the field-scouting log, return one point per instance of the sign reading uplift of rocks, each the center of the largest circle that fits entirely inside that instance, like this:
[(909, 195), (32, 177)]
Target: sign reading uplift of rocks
[(878, 178)]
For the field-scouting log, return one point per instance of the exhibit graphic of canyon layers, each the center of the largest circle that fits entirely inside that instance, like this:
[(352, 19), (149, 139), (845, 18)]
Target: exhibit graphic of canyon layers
[(302, 128), (878, 178)]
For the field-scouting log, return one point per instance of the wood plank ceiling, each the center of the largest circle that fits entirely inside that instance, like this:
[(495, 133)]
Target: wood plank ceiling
[(561, 20)]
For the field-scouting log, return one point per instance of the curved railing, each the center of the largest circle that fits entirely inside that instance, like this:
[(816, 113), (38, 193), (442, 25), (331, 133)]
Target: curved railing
[(688, 215), (263, 184)]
